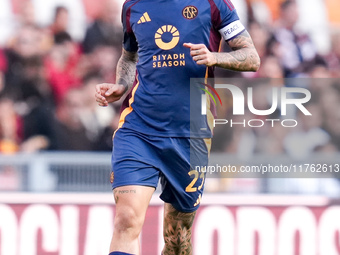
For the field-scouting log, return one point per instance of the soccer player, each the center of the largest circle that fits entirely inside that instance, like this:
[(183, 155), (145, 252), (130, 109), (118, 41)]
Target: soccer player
[(165, 44)]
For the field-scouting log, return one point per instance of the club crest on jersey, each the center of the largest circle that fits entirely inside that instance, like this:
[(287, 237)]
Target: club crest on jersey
[(190, 12)]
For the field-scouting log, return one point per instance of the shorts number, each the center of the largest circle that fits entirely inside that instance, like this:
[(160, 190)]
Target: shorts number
[(190, 187)]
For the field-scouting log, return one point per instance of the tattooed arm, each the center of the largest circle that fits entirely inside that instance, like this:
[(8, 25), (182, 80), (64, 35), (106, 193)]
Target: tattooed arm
[(244, 56), (126, 69), (106, 92)]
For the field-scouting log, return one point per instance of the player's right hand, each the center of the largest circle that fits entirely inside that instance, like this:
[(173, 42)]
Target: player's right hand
[(107, 93)]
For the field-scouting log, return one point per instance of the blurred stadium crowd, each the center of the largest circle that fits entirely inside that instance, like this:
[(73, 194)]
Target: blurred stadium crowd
[(47, 79)]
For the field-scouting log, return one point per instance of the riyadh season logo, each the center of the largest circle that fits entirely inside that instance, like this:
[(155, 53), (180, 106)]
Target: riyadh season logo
[(280, 100), (167, 37)]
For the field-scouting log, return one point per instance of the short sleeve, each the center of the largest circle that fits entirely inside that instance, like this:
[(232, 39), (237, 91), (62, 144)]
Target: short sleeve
[(229, 24), (129, 39)]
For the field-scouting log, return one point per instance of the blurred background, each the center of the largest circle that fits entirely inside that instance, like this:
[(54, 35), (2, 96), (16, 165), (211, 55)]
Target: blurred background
[(55, 142), (52, 53)]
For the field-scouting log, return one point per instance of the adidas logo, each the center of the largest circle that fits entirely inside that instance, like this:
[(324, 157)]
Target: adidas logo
[(144, 18)]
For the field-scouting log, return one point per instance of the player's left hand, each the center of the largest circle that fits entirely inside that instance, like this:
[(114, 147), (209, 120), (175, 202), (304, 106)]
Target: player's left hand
[(200, 54)]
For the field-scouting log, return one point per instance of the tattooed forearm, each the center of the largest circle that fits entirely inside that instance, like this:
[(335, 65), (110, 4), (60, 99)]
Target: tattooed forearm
[(177, 232), (244, 56), (126, 68)]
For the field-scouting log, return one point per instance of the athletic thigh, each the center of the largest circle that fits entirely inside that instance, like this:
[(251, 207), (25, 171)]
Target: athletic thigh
[(131, 205), (136, 198)]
